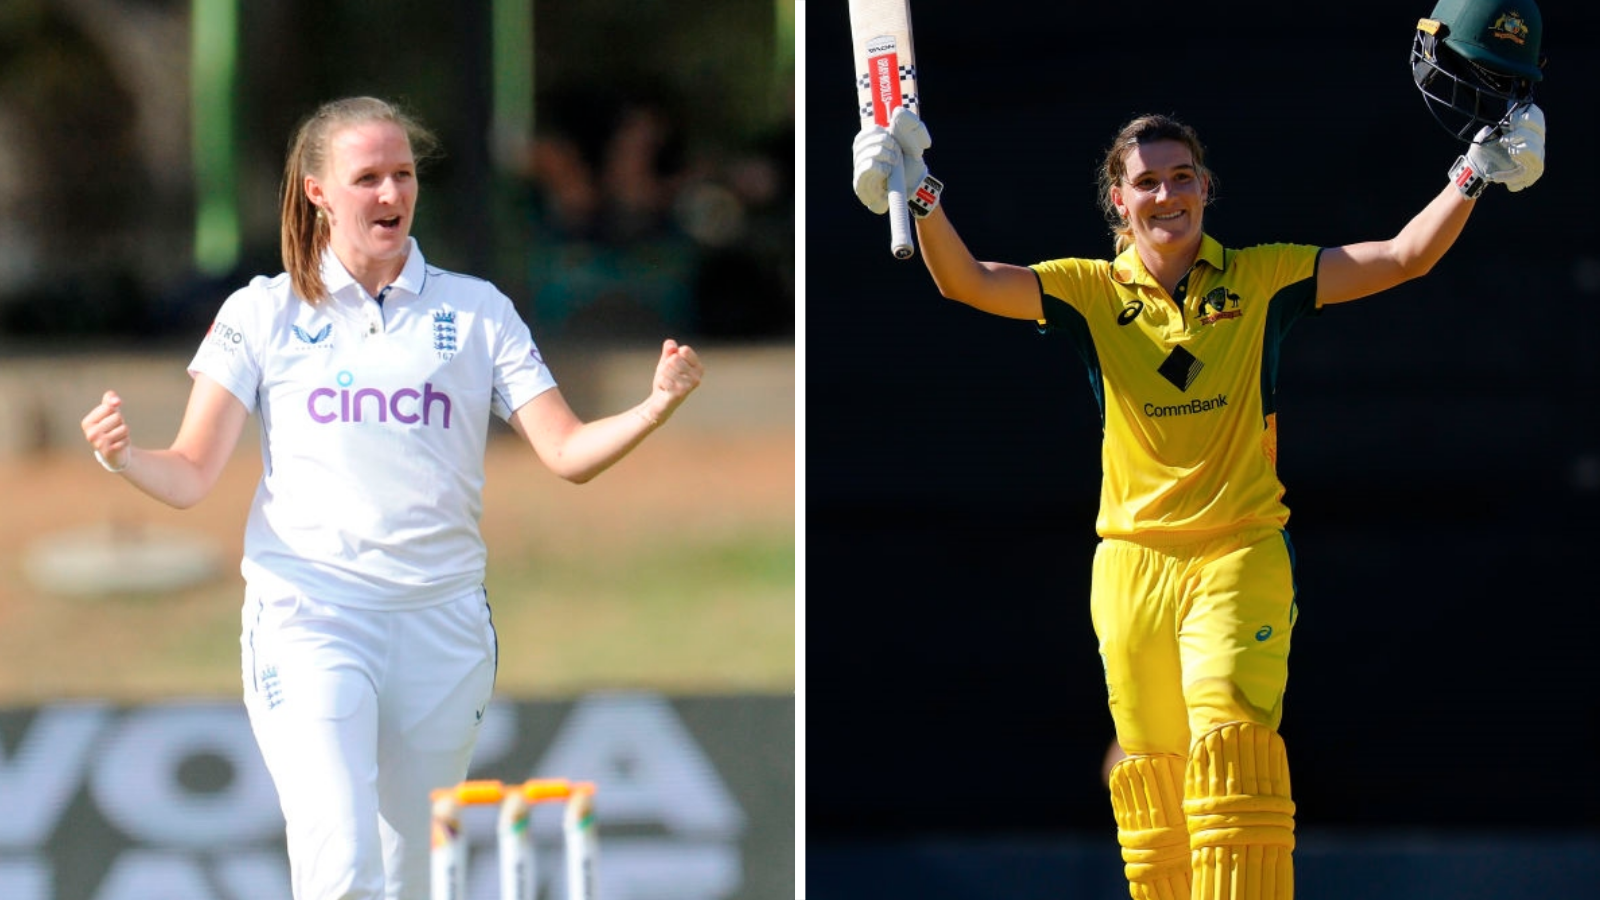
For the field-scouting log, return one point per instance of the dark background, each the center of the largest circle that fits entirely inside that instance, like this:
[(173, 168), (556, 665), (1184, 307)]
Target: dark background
[(1439, 441)]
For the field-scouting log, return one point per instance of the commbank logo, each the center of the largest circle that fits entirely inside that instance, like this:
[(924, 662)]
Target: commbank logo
[(408, 406), (1181, 368), (1187, 407)]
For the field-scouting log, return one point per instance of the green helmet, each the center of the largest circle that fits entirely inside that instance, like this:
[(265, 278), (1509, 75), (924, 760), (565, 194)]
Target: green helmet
[(1500, 36), (1475, 60)]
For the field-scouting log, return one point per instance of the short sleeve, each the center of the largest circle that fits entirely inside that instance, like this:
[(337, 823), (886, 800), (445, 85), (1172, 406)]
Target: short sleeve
[(520, 372), (1065, 287), (229, 353)]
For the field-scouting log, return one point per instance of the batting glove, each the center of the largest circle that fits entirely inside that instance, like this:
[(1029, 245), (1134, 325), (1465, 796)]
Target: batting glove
[(1515, 158), (876, 151)]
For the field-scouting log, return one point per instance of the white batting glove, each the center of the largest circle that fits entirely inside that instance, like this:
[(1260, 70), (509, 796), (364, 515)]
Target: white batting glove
[(878, 148), (875, 152), (1514, 159), (1524, 144)]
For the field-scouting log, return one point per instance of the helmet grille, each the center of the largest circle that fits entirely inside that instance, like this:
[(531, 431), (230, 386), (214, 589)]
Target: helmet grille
[(1463, 96)]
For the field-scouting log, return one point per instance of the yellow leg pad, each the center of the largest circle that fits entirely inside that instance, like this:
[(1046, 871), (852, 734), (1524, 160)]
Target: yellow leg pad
[(1241, 817), (1147, 798)]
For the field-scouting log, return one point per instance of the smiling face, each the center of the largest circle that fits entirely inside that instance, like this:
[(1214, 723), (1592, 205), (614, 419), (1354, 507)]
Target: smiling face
[(367, 195), (1162, 197)]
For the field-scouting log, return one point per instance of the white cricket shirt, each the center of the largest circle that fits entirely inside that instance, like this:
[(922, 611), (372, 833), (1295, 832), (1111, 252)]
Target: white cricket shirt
[(374, 419)]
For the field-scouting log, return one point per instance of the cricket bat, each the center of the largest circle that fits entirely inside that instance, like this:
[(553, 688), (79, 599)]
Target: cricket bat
[(886, 77)]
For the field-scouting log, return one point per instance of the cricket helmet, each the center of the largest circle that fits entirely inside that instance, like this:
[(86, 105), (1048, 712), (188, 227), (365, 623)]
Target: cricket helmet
[(1474, 60)]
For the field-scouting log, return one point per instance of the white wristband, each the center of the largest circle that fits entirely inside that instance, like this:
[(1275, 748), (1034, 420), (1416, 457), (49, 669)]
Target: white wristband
[(107, 466)]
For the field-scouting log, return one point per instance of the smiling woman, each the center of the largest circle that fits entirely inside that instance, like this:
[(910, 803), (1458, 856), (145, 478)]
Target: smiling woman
[(1154, 186), (350, 184), (1192, 595), (367, 648), (367, 200)]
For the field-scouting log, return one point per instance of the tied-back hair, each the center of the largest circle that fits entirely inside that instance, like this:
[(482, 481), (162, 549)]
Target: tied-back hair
[(1114, 167), (302, 234)]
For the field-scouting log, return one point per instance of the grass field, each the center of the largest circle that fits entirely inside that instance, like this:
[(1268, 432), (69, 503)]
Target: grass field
[(675, 570)]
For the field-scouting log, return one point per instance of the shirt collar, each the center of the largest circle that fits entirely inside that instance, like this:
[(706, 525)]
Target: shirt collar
[(338, 280), (1128, 268)]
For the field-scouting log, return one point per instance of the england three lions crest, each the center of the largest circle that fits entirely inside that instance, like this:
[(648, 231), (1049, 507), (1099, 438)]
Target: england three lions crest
[(444, 333)]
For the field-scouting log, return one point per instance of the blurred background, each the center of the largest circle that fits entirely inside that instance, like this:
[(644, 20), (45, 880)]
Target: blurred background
[(1439, 444), (622, 167), (623, 171)]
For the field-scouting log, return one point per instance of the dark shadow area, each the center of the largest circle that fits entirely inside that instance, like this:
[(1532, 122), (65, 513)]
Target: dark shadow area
[(1439, 442)]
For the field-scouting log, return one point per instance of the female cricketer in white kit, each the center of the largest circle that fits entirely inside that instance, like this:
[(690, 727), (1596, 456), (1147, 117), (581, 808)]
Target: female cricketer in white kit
[(368, 650)]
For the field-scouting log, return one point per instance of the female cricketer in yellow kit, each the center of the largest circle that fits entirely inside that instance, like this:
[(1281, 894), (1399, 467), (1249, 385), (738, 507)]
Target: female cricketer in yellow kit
[(1193, 594)]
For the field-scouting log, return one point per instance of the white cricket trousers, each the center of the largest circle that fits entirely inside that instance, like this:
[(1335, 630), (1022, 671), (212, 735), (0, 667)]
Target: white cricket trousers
[(359, 714)]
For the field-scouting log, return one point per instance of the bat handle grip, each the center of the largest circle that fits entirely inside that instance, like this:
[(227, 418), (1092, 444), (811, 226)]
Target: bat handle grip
[(899, 215)]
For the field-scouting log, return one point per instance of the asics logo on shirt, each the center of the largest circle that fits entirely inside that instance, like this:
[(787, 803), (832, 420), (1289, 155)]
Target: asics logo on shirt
[(1130, 312), (407, 406)]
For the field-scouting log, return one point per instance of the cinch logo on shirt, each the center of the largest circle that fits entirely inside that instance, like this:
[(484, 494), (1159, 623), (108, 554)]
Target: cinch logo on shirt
[(407, 405)]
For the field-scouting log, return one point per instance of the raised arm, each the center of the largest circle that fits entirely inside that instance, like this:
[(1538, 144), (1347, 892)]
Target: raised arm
[(184, 473), (1515, 159), (1360, 270), (998, 288), (577, 450)]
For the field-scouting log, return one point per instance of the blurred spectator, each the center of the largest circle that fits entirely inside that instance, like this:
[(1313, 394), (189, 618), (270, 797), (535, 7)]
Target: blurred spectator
[(633, 233), (745, 284), (606, 257), (72, 182)]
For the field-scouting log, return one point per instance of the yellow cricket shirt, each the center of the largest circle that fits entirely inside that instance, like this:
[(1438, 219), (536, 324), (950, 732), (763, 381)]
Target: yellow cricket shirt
[(1185, 384)]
